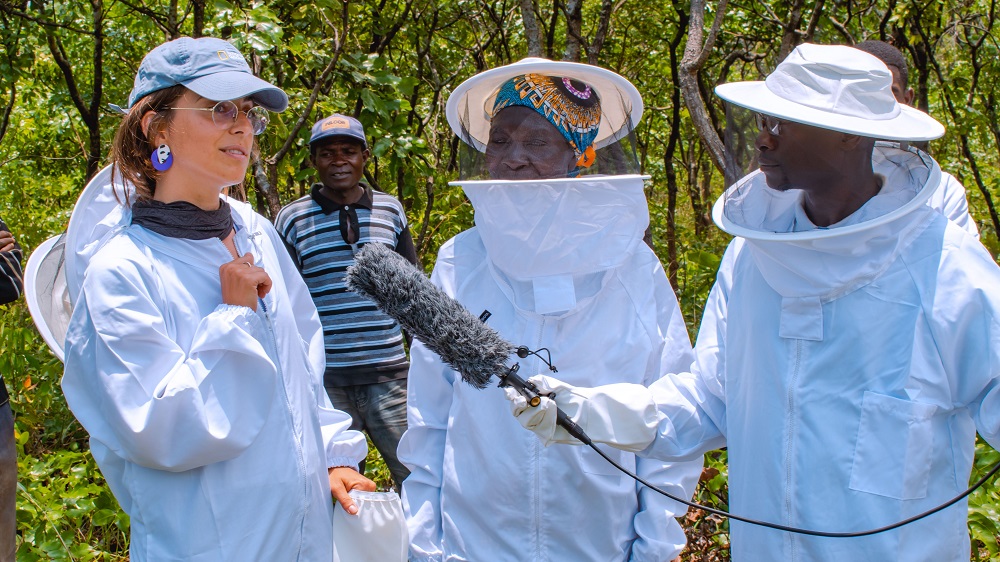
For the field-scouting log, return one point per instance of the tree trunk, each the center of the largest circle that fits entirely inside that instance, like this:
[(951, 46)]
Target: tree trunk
[(198, 13), (532, 33), (574, 30), (668, 154), (695, 55)]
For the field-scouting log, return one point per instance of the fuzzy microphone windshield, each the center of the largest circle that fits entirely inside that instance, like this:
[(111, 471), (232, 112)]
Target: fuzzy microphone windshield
[(446, 327)]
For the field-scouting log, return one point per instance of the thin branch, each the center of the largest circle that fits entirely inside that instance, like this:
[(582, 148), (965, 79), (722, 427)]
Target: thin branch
[(5, 122), (304, 116), (7, 8), (603, 26), (59, 55)]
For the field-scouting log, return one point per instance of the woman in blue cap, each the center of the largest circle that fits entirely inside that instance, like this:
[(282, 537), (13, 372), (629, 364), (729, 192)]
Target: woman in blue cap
[(191, 358)]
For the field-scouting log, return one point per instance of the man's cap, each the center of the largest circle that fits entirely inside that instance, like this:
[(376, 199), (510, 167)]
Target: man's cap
[(621, 104), (834, 87), (209, 67), (338, 125)]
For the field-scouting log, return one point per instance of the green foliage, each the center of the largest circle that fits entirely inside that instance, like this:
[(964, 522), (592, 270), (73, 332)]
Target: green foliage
[(65, 510), (708, 534), (376, 469), (396, 64), (984, 519)]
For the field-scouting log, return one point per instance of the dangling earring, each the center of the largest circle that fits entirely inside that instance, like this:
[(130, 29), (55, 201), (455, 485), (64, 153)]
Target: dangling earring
[(162, 158)]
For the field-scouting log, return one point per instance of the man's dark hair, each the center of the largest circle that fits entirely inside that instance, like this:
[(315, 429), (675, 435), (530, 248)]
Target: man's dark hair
[(887, 54)]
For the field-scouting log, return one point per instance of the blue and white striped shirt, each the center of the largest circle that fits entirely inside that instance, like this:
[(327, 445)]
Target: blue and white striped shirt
[(363, 345)]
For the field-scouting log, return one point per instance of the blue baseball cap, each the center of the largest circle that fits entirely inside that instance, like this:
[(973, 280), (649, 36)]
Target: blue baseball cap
[(338, 125), (209, 67)]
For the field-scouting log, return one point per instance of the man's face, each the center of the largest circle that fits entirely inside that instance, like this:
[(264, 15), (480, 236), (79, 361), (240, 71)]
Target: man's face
[(902, 94), (798, 156), (340, 163), (523, 145)]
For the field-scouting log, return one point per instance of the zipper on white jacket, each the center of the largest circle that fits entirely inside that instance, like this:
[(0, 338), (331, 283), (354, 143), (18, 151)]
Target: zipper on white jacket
[(538, 458), (299, 452), (291, 419), (789, 445)]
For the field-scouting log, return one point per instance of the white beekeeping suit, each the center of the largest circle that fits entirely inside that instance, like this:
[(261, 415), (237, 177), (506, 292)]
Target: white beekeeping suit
[(559, 264)]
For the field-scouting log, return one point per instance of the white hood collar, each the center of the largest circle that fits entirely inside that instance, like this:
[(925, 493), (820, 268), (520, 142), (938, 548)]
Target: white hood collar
[(808, 266), (556, 233)]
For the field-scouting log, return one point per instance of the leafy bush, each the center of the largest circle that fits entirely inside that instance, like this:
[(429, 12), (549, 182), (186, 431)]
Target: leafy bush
[(984, 521), (64, 508), (65, 511)]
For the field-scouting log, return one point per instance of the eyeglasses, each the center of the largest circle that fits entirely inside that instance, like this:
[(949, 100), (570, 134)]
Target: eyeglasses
[(225, 114), (768, 123)]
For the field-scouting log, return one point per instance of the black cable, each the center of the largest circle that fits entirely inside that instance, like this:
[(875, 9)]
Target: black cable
[(642, 481)]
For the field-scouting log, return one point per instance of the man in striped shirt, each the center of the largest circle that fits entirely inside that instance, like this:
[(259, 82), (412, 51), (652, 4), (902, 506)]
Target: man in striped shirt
[(366, 365)]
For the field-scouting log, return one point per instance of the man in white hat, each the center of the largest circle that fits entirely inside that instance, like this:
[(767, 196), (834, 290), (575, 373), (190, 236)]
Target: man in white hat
[(848, 351), (556, 263)]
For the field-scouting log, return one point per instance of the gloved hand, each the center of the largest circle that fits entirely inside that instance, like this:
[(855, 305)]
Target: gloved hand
[(622, 415)]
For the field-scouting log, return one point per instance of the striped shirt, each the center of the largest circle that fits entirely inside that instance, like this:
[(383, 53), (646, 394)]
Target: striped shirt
[(363, 345)]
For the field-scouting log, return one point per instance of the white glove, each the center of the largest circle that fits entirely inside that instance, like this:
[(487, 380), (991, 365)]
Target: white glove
[(622, 415)]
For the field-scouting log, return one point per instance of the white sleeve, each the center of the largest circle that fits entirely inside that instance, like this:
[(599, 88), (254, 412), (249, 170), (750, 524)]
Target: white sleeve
[(692, 404), (344, 446), (147, 399), (966, 330), (986, 409), (659, 535), (422, 450)]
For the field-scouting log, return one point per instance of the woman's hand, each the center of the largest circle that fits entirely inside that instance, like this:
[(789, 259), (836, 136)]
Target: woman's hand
[(243, 282), (343, 479)]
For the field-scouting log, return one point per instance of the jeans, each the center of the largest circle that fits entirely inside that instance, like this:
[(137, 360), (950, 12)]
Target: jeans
[(380, 411), (8, 484)]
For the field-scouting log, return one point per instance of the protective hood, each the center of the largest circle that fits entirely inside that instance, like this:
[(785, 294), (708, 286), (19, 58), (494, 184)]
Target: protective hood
[(550, 231), (54, 273), (808, 265), (97, 216)]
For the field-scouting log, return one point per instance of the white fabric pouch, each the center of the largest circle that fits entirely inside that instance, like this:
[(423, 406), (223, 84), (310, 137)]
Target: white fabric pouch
[(376, 534)]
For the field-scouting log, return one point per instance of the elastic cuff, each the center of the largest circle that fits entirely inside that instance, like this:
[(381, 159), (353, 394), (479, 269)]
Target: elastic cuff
[(345, 462), (243, 316), (425, 558)]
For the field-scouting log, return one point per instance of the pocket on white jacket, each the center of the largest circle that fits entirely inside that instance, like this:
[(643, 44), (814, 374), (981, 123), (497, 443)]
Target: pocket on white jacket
[(892, 457)]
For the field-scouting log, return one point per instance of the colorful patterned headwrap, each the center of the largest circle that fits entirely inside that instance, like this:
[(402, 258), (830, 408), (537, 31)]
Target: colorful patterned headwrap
[(570, 105)]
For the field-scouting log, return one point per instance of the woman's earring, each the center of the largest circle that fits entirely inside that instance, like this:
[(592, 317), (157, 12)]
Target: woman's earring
[(162, 158)]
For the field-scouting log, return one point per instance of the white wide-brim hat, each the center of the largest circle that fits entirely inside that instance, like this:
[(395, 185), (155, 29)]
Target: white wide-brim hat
[(834, 87), (46, 294), (621, 104)]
